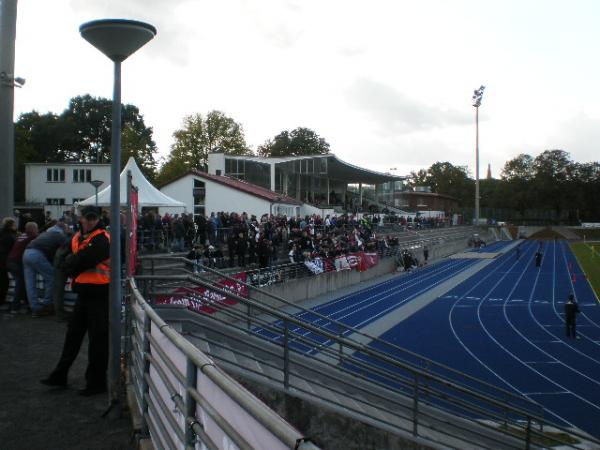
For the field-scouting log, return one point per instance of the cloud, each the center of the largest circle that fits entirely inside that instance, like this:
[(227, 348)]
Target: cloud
[(393, 112), (578, 135), (281, 23)]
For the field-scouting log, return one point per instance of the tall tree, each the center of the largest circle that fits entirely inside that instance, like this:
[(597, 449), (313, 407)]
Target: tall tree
[(298, 142), (90, 119), (445, 178), (200, 136), (81, 133), (553, 170)]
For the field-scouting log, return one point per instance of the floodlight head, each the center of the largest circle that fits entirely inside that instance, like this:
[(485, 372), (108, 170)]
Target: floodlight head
[(477, 95), (117, 38), (19, 82)]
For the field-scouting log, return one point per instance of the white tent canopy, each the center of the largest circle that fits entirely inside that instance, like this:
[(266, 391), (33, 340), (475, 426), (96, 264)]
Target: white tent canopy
[(148, 195)]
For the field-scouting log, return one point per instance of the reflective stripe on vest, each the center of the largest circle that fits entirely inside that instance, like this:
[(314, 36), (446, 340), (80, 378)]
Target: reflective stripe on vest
[(100, 274)]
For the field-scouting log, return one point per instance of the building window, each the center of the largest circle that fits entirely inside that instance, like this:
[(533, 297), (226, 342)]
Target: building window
[(199, 197), (55, 201), (55, 175), (82, 175)]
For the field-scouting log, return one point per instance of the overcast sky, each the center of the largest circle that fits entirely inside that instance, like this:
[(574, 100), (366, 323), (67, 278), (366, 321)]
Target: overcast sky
[(387, 83)]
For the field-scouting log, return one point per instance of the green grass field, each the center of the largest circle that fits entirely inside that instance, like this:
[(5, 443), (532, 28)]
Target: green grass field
[(589, 262)]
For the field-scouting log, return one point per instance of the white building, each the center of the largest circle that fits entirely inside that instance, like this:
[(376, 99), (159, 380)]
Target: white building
[(204, 194), (58, 186)]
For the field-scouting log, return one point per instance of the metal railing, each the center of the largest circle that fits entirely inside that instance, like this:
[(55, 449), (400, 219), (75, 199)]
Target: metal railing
[(418, 396), (281, 273), (184, 399)]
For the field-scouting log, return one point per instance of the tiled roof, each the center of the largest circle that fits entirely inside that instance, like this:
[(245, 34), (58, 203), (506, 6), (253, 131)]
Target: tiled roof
[(248, 188)]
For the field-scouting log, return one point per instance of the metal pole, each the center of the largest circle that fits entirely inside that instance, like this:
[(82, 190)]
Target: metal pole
[(114, 314), (96, 196), (8, 27), (477, 166)]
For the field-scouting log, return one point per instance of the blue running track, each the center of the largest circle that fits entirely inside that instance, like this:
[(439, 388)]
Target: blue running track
[(363, 307), (505, 325)]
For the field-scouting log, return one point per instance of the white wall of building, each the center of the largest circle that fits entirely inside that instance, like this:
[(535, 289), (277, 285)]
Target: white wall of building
[(216, 161), (39, 190), (182, 190)]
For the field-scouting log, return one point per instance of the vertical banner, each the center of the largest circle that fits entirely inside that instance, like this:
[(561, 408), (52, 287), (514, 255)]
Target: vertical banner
[(133, 231)]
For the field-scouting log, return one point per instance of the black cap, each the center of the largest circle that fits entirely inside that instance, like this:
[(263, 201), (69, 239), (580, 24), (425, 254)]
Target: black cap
[(90, 212)]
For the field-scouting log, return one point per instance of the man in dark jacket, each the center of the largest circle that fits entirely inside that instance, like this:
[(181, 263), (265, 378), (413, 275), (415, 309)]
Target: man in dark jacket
[(89, 266), (571, 310)]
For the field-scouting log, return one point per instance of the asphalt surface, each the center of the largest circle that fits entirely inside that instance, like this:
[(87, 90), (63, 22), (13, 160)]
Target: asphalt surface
[(33, 416)]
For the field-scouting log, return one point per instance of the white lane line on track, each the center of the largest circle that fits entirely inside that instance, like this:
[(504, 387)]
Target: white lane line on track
[(549, 393), (493, 372), (540, 362)]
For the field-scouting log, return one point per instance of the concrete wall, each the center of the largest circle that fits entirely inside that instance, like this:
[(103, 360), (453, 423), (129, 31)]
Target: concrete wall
[(327, 429)]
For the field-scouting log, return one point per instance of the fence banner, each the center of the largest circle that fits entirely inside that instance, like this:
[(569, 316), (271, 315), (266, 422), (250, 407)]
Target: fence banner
[(315, 266), (204, 300), (370, 259), (133, 236), (341, 263)]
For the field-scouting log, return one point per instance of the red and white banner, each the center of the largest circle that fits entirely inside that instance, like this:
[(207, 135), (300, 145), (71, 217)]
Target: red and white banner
[(204, 300), (133, 231)]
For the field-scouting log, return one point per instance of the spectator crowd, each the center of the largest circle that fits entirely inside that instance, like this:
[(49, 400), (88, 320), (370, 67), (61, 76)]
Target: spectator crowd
[(232, 239)]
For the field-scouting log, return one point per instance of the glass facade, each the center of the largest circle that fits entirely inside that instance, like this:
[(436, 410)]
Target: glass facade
[(312, 180)]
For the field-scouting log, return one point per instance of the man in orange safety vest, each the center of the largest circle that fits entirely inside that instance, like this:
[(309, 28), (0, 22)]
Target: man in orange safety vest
[(88, 265)]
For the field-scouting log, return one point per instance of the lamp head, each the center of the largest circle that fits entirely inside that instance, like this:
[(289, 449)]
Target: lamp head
[(117, 38)]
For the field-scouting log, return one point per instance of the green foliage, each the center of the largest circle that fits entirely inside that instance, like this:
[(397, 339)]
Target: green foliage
[(552, 181), (445, 178), (298, 142), (198, 137), (81, 133)]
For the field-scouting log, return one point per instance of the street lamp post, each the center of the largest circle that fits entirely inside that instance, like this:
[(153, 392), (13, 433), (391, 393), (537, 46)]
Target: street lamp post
[(117, 39), (477, 96), (96, 184)]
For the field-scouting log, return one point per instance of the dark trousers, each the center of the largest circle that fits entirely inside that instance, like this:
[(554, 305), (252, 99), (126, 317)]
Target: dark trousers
[(3, 285), (16, 270), (571, 328), (89, 316)]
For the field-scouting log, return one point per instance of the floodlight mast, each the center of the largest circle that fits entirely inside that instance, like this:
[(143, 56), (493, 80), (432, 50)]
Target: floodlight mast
[(477, 96), (117, 39)]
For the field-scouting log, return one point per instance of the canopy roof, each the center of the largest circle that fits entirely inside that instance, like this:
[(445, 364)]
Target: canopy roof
[(336, 168), (148, 195)]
